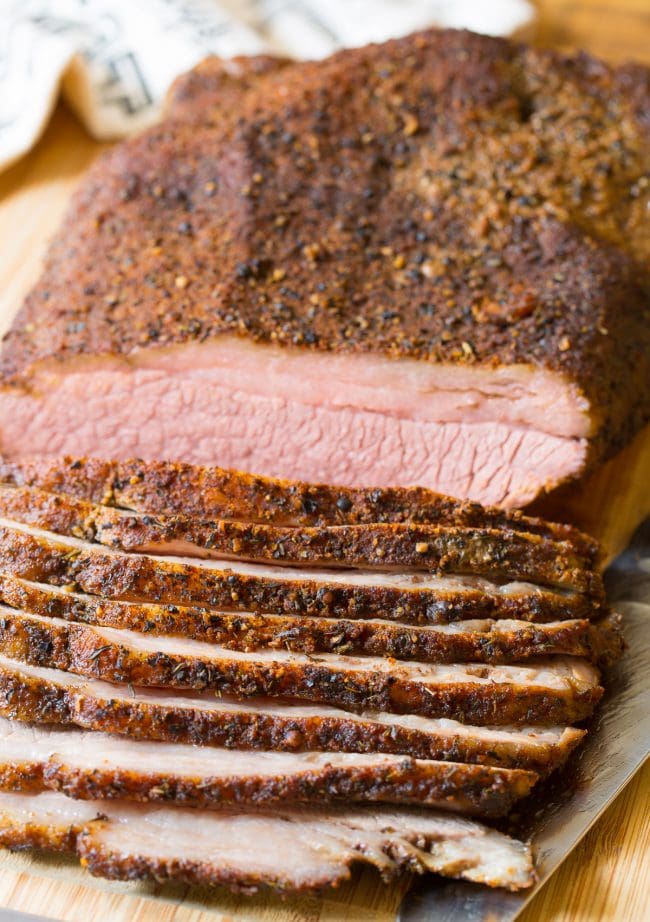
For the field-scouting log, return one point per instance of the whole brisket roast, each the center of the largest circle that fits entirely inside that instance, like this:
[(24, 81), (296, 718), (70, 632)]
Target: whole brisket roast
[(420, 263)]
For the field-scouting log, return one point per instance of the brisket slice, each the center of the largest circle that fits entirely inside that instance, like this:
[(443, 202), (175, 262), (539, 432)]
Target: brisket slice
[(382, 547), (97, 766), (414, 598), (486, 641), (165, 488), (288, 849), (448, 244), (30, 693), (546, 691)]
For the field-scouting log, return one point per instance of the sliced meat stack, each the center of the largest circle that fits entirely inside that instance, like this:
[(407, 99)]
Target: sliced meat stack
[(278, 657)]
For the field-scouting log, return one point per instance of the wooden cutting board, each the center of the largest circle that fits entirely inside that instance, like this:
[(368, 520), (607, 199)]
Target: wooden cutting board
[(607, 877)]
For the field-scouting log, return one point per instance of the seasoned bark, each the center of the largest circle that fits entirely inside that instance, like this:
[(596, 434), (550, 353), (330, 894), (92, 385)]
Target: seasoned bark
[(219, 83), (384, 547), (288, 850), (166, 488), (446, 197), (486, 641), (28, 693), (412, 599), (95, 766), (550, 691)]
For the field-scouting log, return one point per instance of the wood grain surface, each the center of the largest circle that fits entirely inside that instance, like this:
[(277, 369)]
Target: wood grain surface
[(608, 875)]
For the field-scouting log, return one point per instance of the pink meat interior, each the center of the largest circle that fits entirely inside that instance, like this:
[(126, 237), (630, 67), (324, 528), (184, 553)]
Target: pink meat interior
[(496, 435)]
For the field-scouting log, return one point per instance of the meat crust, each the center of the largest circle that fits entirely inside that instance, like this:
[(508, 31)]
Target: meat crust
[(217, 83)]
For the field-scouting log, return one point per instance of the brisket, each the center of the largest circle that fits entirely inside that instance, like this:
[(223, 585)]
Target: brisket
[(546, 691), (289, 849), (424, 261), (97, 766), (30, 693), (382, 547), (416, 598), (165, 488), (486, 641)]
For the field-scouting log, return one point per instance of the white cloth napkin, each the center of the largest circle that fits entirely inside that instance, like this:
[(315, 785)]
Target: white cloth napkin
[(113, 60)]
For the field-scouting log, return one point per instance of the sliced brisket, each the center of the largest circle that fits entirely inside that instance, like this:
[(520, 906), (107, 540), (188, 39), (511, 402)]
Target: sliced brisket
[(96, 766), (483, 641), (416, 598), (382, 547), (291, 850), (30, 693), (547, 691), (165, 488)]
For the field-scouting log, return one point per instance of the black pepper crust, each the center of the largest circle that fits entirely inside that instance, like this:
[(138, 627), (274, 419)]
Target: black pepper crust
[(600, 643), (36, 699), (447, 197), (475, 790), (217, 82), (138, 578), (168, 488), (439, 549), (36, 835), (83, 650)]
